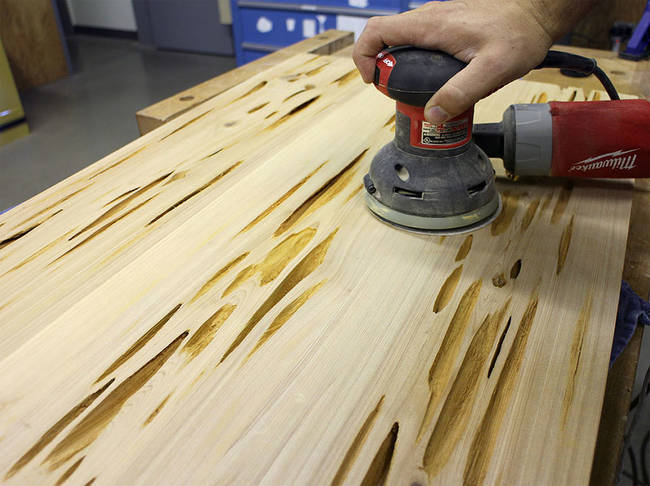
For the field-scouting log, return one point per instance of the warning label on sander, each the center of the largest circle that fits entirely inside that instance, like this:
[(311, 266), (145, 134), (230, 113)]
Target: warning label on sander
[(450, 133)]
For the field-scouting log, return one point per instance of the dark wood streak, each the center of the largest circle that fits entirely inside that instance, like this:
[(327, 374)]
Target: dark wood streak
[(464, 248), (503, 220), (355, 447), (390, 121), (204, 335), (447, 289), (92, 425), (574, 356), (259, 107), (17, 236), (293, 94), (184, 125), (69, 472), (456, 410), (346, 78), (212, 154), (317, 70), (441, 370), (117, 198), (51, 206), (563, 247), (195, 192), (497, 351), (117, 163), (304, 268), (531, 210), (255, 88), (218, 276), (156, 410), (280, 200), (53, 431), (377, 473), (292, 112), (102, 229), (119, 206), (38, 253), (323, 195), (516, 268), (139, 344), (284, 315), (561, 203), (482, 447)]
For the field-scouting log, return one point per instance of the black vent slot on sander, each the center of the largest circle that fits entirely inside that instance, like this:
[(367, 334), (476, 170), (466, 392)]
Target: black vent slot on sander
[(406, 192)]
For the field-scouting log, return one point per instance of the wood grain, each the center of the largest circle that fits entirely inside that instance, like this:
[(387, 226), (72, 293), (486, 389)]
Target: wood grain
[(325, 362), (165, 110)]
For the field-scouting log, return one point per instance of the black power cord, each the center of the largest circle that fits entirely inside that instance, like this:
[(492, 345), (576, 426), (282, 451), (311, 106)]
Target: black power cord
[(580, 64)]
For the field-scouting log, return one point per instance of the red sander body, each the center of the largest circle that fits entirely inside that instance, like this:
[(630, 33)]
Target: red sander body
[(438, 177)]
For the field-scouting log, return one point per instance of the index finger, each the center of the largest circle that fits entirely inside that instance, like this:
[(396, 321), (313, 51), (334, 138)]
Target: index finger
[(379, 33)]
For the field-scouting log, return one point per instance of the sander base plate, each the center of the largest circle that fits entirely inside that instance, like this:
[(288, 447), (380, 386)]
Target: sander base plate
[(444, 225)]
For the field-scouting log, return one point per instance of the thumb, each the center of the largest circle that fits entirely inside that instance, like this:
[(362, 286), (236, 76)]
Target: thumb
[(477, 80)]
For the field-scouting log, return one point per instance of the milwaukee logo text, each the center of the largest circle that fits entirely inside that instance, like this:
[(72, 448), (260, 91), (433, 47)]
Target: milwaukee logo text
[(619, 160)]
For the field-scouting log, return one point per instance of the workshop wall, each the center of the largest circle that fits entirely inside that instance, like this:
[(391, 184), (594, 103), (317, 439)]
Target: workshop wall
[(593, 30), (104, 14)]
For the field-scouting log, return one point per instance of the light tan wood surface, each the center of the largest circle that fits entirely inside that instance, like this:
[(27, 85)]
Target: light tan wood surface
[(630, 77), (214, 303), (32, 41), (157, 114)]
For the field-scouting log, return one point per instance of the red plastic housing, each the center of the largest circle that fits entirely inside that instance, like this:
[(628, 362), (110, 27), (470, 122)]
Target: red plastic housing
[(603, 139)]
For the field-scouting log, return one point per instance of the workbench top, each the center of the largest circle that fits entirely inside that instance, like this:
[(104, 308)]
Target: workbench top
[(209, 304)]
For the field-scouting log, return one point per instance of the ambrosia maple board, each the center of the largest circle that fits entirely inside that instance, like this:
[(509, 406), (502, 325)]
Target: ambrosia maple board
[(214, 304)]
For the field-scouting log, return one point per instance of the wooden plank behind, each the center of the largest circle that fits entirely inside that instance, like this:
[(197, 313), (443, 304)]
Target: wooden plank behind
[(155, 115), (210, 304)]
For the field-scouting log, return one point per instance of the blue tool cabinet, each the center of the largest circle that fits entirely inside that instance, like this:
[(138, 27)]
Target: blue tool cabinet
[(263, 26)]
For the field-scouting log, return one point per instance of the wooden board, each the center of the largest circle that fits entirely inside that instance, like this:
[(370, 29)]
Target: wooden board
[(208, 304), (165, 110), (32, 41)]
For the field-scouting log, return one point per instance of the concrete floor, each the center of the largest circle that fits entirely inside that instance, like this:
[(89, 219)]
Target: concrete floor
[(79, 119)]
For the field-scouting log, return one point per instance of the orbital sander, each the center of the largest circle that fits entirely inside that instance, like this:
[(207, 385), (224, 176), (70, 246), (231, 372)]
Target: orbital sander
[(438, 178)]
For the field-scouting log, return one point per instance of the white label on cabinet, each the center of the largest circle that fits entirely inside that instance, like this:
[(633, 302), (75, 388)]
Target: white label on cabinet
[(291, 24), (358, 3), (264, 25), (308, 28), (321, 23)]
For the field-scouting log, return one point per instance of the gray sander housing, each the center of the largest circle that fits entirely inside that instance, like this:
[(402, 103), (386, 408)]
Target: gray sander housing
[(430, 183), (524, 139)]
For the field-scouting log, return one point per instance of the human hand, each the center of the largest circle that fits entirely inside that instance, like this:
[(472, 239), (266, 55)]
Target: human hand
[(500, 41)]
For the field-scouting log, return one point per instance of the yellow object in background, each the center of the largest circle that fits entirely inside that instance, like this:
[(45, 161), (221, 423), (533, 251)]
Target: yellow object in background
[(12, 116)]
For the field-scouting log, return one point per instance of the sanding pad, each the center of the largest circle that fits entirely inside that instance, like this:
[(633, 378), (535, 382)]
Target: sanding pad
[(448, 225)]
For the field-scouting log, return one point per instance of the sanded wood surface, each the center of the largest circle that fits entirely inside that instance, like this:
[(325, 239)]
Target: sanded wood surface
[(214, 303), (155, 115), (32, 42)]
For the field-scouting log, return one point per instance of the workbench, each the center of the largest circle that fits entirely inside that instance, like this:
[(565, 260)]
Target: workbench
[(213, 303), (628, 77)]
